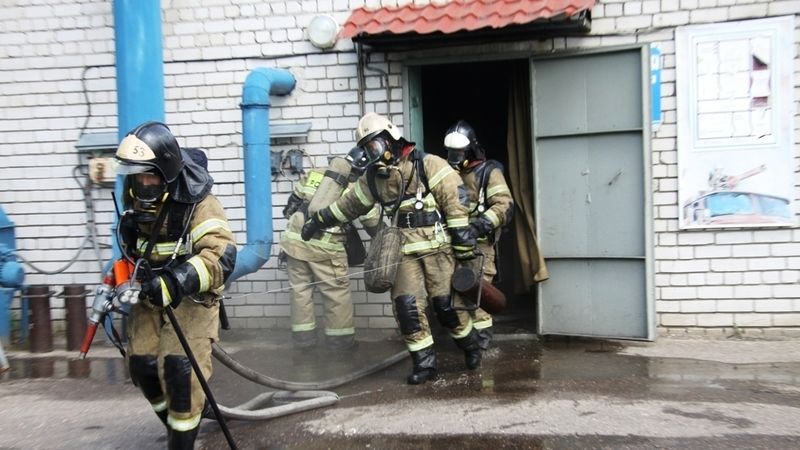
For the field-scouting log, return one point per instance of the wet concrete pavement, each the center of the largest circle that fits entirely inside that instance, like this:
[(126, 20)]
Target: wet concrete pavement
[(528, 394)]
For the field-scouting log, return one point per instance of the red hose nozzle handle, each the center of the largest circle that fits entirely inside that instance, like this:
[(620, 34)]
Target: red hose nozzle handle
[(87, 339)]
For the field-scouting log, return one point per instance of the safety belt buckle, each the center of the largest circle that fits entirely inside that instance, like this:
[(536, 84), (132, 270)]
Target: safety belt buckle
[(409, 215)]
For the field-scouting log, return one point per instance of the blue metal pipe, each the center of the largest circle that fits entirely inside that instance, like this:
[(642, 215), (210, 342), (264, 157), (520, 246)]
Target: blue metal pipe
[(140, 73), (258, 86)]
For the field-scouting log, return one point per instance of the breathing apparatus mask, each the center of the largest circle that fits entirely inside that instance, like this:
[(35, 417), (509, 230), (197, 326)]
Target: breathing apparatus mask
[(148, 191), (383, 150), (148, 187), (379, 151), (380, 140)]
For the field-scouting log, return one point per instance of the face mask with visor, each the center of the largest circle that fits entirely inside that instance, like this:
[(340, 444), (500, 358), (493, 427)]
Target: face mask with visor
[(148, 192), (380, 149), (456, 157), (146, 196)]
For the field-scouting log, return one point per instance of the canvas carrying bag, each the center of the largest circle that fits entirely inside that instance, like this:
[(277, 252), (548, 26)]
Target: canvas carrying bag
[(384, 254), (383, 257)]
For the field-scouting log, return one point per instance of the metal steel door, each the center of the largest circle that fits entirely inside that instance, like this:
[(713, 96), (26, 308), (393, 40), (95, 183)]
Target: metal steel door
[(592, 197)]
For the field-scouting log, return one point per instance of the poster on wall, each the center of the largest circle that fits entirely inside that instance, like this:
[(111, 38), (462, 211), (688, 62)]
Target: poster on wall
[(735, 138)]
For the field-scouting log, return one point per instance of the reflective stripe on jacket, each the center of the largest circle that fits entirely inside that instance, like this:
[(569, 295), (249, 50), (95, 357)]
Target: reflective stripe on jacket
[(447, 196), (207, 255)]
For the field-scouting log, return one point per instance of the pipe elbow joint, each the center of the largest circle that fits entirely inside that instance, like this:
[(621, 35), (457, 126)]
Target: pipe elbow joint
[(263, 82), (249, 259)]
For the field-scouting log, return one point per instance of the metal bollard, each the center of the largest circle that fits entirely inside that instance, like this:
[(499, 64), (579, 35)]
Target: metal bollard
[(75, 305), (79, 368), (41, 336)]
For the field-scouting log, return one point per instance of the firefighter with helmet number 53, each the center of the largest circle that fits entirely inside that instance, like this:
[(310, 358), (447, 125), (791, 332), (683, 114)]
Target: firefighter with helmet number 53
[(490, 204), (430, 202), (173, 221)]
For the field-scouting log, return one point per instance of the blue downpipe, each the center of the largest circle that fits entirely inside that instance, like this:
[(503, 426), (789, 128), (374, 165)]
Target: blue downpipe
[(258, 86), (140, 74)]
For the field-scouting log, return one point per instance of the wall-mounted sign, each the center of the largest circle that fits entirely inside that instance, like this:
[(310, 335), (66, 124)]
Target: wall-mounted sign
[(735, 136), (655, 86)]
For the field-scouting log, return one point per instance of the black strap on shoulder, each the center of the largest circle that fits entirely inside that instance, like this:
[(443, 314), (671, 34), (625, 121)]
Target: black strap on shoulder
[(340, 179), (418, 158), (372, 172), (156, 229), (373, 189), (483, 173), (177, 220)]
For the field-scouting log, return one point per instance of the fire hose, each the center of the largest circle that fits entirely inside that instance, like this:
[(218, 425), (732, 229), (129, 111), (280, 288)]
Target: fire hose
[(302, 395), (311, 394)]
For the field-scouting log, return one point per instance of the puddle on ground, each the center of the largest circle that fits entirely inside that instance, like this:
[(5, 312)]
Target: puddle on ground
[(109, 370), (513, 367)]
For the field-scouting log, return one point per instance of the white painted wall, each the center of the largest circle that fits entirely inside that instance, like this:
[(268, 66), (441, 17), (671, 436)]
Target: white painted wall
[(706, 282)]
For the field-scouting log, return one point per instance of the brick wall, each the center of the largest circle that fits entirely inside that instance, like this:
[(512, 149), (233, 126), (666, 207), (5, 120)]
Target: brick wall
[(56, 53)]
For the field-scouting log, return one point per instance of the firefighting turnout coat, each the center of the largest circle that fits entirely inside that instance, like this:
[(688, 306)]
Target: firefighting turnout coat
[(195, 230), (431, 201), (205, 255), (489, 198), (330, 242)]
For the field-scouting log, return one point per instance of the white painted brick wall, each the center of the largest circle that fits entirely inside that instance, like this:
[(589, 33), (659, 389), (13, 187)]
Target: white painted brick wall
[(715, 280)]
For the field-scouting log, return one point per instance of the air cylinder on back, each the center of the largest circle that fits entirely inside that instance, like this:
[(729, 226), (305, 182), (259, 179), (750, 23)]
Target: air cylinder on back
[(331, 186)]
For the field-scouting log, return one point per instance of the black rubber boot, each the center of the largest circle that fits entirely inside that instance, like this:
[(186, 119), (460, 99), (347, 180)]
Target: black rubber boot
[(485, 338), (304, 339), (472, 351), (339, 343), (182, 440), (424, 366), (162, 415)]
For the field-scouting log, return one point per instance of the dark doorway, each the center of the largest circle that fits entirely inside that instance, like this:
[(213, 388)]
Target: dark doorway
[(478, 93)]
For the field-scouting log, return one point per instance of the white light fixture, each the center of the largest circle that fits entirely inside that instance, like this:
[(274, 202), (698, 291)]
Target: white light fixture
[(322, 31)]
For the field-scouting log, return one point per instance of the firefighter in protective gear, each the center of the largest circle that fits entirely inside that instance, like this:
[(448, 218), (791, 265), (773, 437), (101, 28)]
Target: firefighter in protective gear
[(172, 221), (430, 204), (321, 260), (490, 205)]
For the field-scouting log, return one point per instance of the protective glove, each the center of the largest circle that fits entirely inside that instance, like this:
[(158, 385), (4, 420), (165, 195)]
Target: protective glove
[(162, 290), (312, 226), (292, 205), (464, 254), (480, 227), (463, 243)]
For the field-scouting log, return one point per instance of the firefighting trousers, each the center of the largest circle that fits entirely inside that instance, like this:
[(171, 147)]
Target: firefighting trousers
[(420, 281), (330, 277), (159, 366)]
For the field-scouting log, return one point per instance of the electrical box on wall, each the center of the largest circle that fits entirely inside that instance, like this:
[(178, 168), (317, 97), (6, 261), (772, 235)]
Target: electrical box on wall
[(98, 149), (102, 171)]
